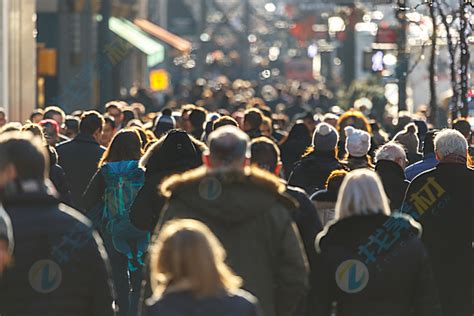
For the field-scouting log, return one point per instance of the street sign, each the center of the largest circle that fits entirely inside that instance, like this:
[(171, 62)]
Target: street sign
[(159, 80)]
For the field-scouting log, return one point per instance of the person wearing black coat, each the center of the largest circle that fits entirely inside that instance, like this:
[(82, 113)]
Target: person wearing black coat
[(299, 139), (174, 153), (80, 157), (390, 166), (58, 178), (441, 199), (372, 264), (314, 168), (60, 266)]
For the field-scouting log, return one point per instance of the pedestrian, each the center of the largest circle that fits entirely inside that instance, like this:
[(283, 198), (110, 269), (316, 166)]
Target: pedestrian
[(245, 209), (108, 199), (266, 155), (164, 123), (189, 275), (294, 147), (390, 166), (409, 139), (253, 119), (197, 118), (80, 156), (173, 153), (429, 158), (110, 128), (359, 276), (56, 114), (441, 200), (60, 265), (312, 171), (357, 149), (325, 200)]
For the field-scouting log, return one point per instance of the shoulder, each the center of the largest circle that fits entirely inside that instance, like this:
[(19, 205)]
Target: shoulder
[(81, 220), (243, 300)]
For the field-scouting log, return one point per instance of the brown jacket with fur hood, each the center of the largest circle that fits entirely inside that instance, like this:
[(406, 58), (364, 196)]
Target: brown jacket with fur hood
[(249, 213)]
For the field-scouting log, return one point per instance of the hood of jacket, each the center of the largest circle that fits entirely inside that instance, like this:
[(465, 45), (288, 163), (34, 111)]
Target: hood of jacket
[(354, 231), (228, 195)]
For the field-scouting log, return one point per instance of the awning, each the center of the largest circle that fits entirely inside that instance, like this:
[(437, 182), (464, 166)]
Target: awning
[(163, 35), (135, 36)]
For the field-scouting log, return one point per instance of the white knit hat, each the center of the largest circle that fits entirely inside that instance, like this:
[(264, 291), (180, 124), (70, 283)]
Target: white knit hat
[(357, 142)]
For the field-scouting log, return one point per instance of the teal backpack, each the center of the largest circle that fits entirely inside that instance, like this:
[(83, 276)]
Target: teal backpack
[(123, 180)]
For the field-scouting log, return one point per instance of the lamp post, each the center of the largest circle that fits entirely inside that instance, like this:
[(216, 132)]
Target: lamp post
[(402, 68)]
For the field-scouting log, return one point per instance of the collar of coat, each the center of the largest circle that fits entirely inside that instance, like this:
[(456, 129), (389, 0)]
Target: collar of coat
[(225, 175)]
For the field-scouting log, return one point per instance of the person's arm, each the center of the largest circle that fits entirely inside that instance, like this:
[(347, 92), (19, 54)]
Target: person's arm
[(291, 271), (146, 208), (94, 192)]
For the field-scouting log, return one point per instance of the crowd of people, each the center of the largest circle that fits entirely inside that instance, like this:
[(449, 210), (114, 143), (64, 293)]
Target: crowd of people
[(231, 204)]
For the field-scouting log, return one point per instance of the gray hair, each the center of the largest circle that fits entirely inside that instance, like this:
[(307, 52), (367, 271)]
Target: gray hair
[(392, 151), (449, 142), (361, 193), (228, 146)]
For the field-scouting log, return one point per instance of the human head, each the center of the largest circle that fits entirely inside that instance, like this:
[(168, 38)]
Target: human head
[(72, 126), (428, 144), (408, 138), (197, 117), (92, 124), (266, 127), (229, 147), (55, 113), (308, 120), (361, 193), (252, 119), (265, 154), (23, 157), (51, 131), (187, 252), (36, 130), (357, 142), (355, 119), (3, 117), (464, 127), (125, 145), (223, 121), (36, 116), (325, 138), (185, 122), (109, 130), (115, 109), (164, 123), (334, 181), (128, 115), (450, 143), (392, 151)]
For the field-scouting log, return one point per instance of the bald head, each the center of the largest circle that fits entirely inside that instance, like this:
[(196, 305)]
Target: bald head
[(228, 147)]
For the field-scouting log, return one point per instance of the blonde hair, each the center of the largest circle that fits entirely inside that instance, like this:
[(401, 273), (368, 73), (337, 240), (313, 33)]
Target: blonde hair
[(361, 193), (188, 256)]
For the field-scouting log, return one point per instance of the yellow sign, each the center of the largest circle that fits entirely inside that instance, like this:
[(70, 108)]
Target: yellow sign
[(159, 80)]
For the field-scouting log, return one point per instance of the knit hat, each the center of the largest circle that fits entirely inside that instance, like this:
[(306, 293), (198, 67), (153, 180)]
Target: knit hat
[(408, 138), (357, 142), (325, 137), (164, 123)]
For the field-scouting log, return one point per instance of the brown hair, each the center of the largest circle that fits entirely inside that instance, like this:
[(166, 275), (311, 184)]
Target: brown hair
[(125, 145), (187, 256)]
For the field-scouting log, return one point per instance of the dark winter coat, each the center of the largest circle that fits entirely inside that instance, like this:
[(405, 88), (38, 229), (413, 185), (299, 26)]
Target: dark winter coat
[(185, 303), (312, 171), (294, 147), (394, 182), (248, 212), (442, 199), (79, 159), (58, 177), (175, 154), (60, 265), (392, 278)]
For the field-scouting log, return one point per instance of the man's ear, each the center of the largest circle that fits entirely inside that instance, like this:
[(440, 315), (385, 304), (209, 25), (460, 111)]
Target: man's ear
[(206, 160), (7, 175), (278, 168)]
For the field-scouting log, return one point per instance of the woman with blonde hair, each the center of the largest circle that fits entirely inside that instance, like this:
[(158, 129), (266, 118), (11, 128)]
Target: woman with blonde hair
[(372, 263), (189, 275)]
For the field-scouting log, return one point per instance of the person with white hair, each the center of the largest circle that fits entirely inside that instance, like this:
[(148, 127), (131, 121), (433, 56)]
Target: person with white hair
[(442, 200), (390, 165), (372, 263), (246, 209)]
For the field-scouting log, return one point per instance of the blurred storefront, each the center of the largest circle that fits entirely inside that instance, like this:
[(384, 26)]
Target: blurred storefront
[(17, 58)]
